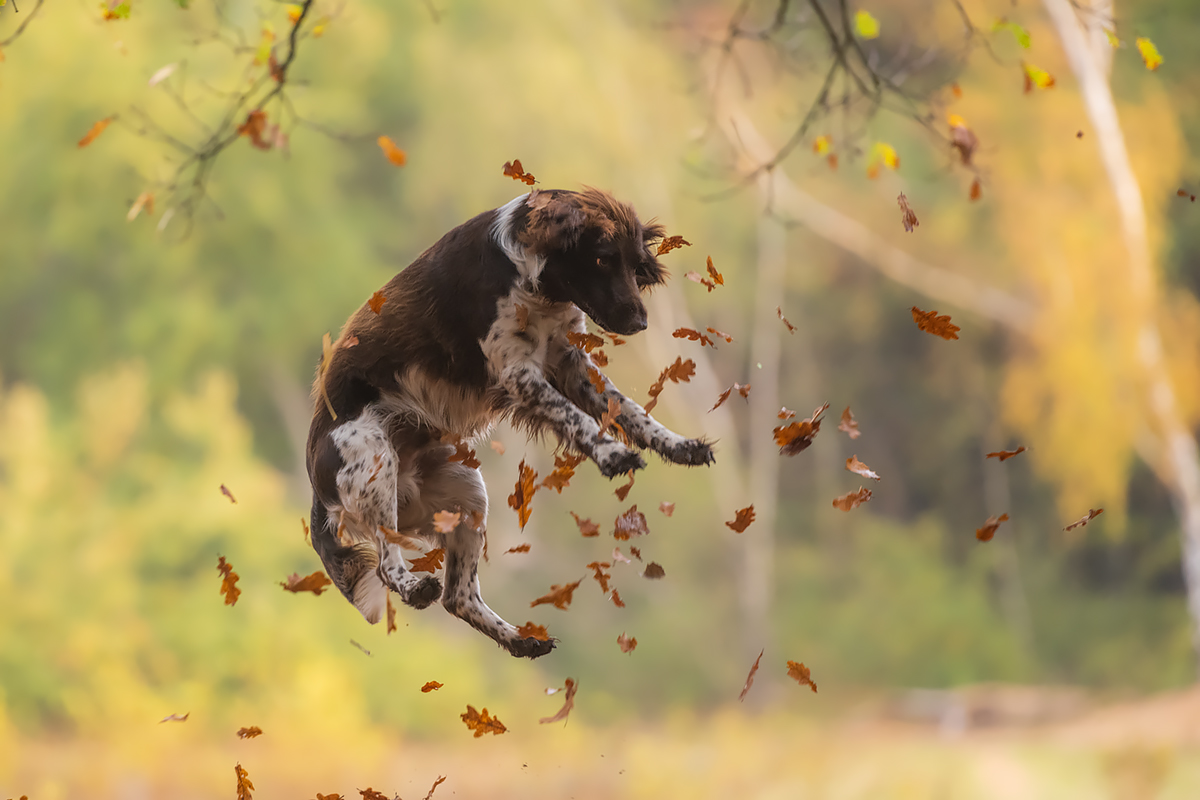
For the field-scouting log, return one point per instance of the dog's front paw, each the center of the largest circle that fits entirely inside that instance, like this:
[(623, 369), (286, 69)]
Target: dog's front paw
[(424, 593), (530, 647), (618, 460), (691, 453)]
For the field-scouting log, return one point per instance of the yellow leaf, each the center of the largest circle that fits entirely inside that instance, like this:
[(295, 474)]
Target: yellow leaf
[(394, 154), (319, 28), (1037, 77), (867, 26), (822, 145), (956, 121), (294, 12), (1149, 53), (263, 54), (882, 153), (1112, 38), (1019, 33)]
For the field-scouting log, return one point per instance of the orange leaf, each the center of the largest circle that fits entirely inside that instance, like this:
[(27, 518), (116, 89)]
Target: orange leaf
[(666, 508), (741, 388), (623, 491), (698, 278), (610, 417), (797, 436), (394, 154), (988, 530), (635, 552), (680, 371), (304, 525), (463, 455), (254, 127), (568, 704), (859, 468), (431, 686), (750, 677), (671, 243), (712, 273), (930, 322), (802, 674), (626, 643), (249, 733), (586, 526), (371, 794), (848, 425), (596, 379), (529, 630), (441, 779), (1005, 455), (852, 499), (391, 616), (481, 723), (446, 521), (314, 583), (521, 548), (720, 335), (376, 302), (228, 581), (976, 190), (558, 596), (786, 413), (742, 519), (654, 571), (244, 786), (564, 470), (587, 342), (515, 171), (600, 575), (907, 216), (144, 200), (694, 336), (779, 311), (616, 599), (523, 493), (430, 562), (1091, 515), (630, 523), (225, 491), (95, 131)]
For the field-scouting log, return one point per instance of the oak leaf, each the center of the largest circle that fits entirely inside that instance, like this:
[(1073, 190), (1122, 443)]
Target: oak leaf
[(244, 786), (779, 312), (586, 526), (463, 455), (848, 425), (531, 631), (623, 491), (95, 131), (616, 599), (786, 413), (797, 436), (564, 470), (587, 342), (741, 388), (618, 557), (600, 575), (481, 722), (430, 562), (988, 530), (720, 335), (429, 795), (558, 596), (446, 521), (391, 616), (908, 217), (626, 643), (431, 686), (801, 674), (254, 127), (698, 278), (521, 548), (517, 172), (635, 552), (654, 571), (1005, 455), (1092, 514), (609, 418), (229, 580), (693, 336), (750, 677), (371, 794), (523, 493), (630, 523), (596, 379), (175, 718), (376, 301), (679, 372), (859, 468), (852, 499), (568, 703), (670, 243), (666, 508), (315, 583), (249, 733), (393, 153), (930, 322), (742, 519)]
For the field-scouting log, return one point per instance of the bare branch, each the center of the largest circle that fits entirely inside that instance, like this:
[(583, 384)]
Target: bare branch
[(24, 23)]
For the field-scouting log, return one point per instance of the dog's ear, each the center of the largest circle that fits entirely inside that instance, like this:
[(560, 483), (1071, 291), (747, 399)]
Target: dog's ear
[(554, 224)]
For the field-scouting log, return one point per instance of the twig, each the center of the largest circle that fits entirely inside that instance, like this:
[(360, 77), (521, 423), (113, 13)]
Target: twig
[(24, 23)]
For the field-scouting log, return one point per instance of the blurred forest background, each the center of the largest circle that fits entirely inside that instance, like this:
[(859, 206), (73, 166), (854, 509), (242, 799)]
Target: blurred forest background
[(145, 363)]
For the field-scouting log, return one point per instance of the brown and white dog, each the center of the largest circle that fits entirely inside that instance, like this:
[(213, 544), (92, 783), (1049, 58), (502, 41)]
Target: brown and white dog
[(449, 354)]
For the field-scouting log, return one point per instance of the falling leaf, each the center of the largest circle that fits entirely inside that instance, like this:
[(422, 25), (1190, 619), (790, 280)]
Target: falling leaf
[(175, 718), (852, 499), (1036, 77), (523, 493), (431, 686), (446, 521), (254, 127), (666, 508), (1092, 514), (294, 12), (568, 703), (1149, 53), (430, 562), (95, 131), (608, 419), (1005, 455), (464, 455), (848, 425), (265, 43), (314, 583), (635, 552), (497, 446), (115, 10), (694, 336), (908, 217), (249, 733), (832, 160), (587, 342), (596, 379), (225, 491), (392, 627), (558, 596), (962, 139), (797, 436), (515, 171), (161, 74), (801, 673), (626, 643), (329, 796), (524, 548), (1019, 33), (779, 311), (1185, 193), (976, 190), (956, 90), (712, 273), (429, 795), (623, 491), (679, 372), (229, 581), (750, 677), (698, 278), (586, 526), (375, 303), (630, 523), (481, 723), (618, 557), (371, 794), (244, 786), (672, 243), (740, 388), (866, 25), (823, 145), (859, 468), (742, 519), (654, 571), (600, 575), (884, 154), (531, 631), (144, 200), (616, 599), (988, 530), (930, 322), (785, 413)]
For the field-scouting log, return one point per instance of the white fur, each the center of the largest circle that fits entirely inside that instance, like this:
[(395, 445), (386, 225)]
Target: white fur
[(529, 266)]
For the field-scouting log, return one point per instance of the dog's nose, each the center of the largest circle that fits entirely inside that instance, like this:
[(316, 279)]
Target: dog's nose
[(638, 321)]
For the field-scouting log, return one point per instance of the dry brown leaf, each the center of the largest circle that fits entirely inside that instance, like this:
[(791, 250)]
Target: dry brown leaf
[(623, 491), (376, 301), (1178, 193), (609, 418), (852, 499), (558, 596), (175, 718), (1091, 515), (848, 425), (666, 508), (564, 470), (371, 794), (1005, 455), (229, 580), (431, 686), (712, 273), (523, 548), (515, 171), (750, 677), (391, 616), (740, 388), (402, 539), (463, 455), (95, 131), (429, 795), (720, 335), (446, 521), (626, 643), (618, 557), (742, 519), (568, 703), (680, 371), (244, 786), (315, 583), (635, 552), (907, 216), (481, 723), (630, 523), (801, 674), (587, 342), (254, 127), (531, 631), (334, 796), (654, 571), (694, 336), (225, 491), (698, 278), (304, 525), (962, 139), (779, 311), (586, 526), (976, 190), (670, 243), (600, 575), (523, 493), (596, 379), (249, 733), (859, 468), (930, 322), (797, 436), (616, 599), (430, 562), (785, 413), (988, 530)]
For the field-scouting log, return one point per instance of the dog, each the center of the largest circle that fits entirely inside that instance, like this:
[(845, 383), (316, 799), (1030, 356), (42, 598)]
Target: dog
[(472, 332)]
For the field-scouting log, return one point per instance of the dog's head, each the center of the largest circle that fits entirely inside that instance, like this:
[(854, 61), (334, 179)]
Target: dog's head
[(595, 253)]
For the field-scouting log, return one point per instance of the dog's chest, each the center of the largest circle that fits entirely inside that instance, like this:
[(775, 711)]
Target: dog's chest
[(527, 332)]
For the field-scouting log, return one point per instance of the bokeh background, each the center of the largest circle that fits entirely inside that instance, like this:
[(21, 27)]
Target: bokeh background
[(141, 368)]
